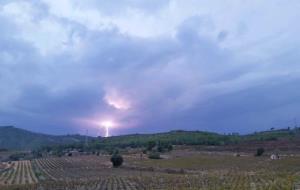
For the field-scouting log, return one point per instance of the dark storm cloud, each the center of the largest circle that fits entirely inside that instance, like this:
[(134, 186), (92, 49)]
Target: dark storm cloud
[(260, 107), (56, 70), (40, 108)]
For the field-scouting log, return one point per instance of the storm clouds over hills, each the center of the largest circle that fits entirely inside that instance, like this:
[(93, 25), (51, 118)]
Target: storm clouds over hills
[(149, 66)]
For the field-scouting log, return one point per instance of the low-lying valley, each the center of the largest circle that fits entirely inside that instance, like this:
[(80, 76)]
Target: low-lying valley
[(177, 170), (262, 165)]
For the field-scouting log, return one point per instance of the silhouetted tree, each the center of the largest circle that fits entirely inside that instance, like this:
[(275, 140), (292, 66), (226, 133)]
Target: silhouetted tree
[(117, 160), (151, 145), (259, 151), (170, 147), (154, 155)]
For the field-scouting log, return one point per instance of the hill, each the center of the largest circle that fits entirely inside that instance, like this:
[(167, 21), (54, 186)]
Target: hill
[(283, 139), (178, 137), (19, 139)]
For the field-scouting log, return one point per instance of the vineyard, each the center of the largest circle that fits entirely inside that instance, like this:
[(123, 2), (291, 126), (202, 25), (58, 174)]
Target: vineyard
[(68, 168), (20, 172), (96, 173)]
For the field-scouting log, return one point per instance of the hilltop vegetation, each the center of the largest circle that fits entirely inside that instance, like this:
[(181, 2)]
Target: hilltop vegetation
[(288, 138), (169, 167), (18, 139), (180, 137)]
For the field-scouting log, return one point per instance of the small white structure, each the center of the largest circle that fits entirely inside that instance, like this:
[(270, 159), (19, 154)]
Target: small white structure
[(274, 156), (4, 165)]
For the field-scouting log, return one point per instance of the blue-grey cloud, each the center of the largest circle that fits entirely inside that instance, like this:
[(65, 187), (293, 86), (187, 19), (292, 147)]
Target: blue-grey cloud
[(63, 68), (115, 7)]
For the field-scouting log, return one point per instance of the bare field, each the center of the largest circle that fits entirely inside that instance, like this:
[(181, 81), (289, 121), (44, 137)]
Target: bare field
[(178, 170), (218, 161)]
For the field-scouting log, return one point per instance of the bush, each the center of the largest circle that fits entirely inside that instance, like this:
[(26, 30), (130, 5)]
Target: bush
[(17, 157), (170, 147), (160, 148), (259, 151), (154, 155), (3, 150), (117, 160), (151, 145)]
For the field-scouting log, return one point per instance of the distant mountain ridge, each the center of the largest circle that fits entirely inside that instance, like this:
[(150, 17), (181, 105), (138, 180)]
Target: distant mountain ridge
[(20, 139)]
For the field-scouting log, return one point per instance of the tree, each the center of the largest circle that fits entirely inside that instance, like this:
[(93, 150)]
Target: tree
[(117, 160), (160, 148), (170, 147), (259, 151), (154, 155), (151, 145), (144, 151)]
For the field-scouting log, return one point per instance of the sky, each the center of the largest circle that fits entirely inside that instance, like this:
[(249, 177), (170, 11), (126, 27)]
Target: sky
[(145, 66)]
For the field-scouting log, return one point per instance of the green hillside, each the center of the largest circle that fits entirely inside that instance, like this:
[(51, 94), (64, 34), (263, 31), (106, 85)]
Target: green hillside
[(173, 137), (19, 139), (280, 134), (194, 138)]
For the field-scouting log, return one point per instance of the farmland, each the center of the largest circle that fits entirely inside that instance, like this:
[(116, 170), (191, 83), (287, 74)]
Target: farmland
[(19, 172), (180, 169)]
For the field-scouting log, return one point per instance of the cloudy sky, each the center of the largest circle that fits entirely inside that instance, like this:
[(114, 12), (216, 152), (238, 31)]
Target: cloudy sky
[(149, 65)]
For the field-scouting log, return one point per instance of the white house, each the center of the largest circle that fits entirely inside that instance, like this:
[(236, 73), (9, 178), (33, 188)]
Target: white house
[(274, 156)]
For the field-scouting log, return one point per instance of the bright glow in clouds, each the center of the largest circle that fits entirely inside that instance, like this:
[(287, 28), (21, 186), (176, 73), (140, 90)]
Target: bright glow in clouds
[(97, 124), (182, 62), (107, 125), (113, 99)]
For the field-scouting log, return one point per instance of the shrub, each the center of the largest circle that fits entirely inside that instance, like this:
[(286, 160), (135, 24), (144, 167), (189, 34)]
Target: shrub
[(117, 160), (259, 151), (154, 155), (151, 145), (3, 150), (170, 147), (16, 157), (160, 148)]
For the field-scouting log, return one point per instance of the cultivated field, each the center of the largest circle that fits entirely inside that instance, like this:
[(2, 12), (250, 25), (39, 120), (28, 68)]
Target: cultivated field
[(178, 170), (19, 172)]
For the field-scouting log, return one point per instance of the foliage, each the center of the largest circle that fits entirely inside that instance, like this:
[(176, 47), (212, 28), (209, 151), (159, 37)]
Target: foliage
[(17, 156), (151, 145), (144, 151), (154, 155), (162, 142), (117, 160), (13, 138), (260, 151), (37, 154), (160, 148), (17, 139), (3, 150)]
